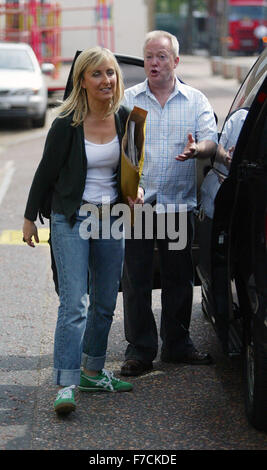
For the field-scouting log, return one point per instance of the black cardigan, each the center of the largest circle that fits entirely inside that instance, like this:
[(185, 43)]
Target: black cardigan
[(60, 177)]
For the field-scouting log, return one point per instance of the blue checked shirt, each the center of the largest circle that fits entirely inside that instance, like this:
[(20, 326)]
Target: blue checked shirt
[(166, 180)]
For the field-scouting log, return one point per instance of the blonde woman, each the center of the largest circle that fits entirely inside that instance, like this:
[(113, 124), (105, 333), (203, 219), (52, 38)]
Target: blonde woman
[(81, 164)]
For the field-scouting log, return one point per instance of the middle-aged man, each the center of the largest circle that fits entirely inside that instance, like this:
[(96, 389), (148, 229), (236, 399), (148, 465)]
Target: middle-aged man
[(180, 128)]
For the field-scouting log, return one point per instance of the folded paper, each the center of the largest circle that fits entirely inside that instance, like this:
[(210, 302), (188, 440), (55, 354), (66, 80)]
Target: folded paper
[(133, 153)]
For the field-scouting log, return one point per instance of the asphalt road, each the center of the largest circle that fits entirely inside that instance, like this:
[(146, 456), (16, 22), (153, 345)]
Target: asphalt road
[(175, 407)]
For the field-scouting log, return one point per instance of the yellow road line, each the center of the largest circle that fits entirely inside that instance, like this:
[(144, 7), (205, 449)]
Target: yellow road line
[(14, 237), (6, 178)]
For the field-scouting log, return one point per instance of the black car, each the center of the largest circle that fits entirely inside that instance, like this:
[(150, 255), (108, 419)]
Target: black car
[(231, 230), (230, 245)]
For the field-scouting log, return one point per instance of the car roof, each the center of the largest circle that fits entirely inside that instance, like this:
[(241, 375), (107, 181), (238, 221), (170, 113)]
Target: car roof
[(14, 45)]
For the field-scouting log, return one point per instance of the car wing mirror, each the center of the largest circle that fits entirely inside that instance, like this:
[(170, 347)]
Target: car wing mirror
[(47, 69)]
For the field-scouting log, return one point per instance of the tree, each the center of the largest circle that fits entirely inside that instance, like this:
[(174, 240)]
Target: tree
[(189, 27)]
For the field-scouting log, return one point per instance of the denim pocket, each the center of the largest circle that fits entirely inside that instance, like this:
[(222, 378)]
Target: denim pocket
[(56, 217)]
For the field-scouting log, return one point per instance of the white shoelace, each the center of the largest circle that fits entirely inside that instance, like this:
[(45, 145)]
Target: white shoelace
[(106, 381), (65, 392)]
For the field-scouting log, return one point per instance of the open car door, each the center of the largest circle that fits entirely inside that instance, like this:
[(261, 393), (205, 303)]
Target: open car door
[(232, 236)]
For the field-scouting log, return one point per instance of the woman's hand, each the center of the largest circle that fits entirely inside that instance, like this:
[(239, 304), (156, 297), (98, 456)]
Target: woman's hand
[(29, 231), (139, 198)]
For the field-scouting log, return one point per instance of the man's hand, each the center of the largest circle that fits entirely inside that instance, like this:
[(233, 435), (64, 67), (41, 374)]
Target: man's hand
[(228, 157), (139, 198), (190, 150), (225, 156), (29, 231)]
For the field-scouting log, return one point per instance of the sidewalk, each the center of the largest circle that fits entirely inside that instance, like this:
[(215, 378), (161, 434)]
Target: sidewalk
[(232, 67)]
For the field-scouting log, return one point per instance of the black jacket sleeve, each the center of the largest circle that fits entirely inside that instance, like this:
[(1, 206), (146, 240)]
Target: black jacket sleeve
[(54, 154)]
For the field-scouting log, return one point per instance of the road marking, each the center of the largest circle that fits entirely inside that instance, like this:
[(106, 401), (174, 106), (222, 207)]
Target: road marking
[(8, 173), (14, 237)]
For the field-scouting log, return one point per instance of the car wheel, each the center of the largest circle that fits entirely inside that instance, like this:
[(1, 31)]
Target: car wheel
[(255, 378), (39, 122), (26, 123)]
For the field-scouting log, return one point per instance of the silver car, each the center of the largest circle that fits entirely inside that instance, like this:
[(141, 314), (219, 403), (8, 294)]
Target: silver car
[(23, 92)]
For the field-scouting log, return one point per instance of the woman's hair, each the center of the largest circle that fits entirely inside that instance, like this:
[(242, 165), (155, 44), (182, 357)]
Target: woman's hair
[(77, 100), (165, 34)]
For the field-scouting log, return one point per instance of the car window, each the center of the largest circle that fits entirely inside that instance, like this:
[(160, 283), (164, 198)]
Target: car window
[(251, 85), (256, 148), (238, 113), (241, 11), (132, 74), (15, 60), (263, 141)]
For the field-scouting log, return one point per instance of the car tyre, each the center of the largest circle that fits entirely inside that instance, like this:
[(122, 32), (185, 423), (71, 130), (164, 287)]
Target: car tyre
[(39, 122), (255, 379)]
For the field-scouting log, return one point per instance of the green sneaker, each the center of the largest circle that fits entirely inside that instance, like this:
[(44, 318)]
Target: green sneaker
[(104, 381), (65, 402)]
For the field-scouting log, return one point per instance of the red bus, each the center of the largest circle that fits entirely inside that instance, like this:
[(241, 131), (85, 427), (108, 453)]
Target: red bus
[(244, 17)]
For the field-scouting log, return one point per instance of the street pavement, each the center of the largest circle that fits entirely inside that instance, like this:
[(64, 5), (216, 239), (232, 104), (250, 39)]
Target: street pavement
[(172, 408)]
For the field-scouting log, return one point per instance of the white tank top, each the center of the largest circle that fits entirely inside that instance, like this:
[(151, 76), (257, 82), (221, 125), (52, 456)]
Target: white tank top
[(102, 164)]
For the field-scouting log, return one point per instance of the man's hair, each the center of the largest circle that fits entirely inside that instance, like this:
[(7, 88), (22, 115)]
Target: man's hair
[(165, 34)]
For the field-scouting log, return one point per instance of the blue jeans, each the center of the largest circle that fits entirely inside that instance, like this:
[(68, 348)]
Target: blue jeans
[(82, 328)]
